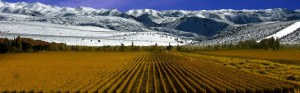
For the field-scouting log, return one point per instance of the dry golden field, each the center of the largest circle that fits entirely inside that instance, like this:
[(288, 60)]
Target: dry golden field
[(282, 56), (152, 72), (257, 66)]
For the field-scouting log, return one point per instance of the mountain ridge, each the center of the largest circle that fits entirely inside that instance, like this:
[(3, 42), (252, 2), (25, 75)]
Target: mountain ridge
[(44, 9), (208, 24)]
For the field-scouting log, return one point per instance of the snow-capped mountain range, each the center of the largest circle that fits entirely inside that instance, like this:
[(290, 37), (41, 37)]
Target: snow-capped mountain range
[(176, 26)]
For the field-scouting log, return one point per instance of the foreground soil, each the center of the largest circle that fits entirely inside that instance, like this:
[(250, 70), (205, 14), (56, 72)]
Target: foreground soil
[(157, 72)]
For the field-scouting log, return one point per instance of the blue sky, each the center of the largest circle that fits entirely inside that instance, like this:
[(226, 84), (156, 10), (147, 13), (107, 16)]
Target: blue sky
[(125, 5)]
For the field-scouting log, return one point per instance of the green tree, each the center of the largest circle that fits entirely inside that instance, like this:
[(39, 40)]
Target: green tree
[(132, 46), (231, 46), (107, 48), (39, 48), (62, 47), (217, 47), (264, 44), (178, 48), (26, 46), (153, 48), (277, 44), (7, 44), (19, 44), (169, 48), (122, 47), (271, 43)]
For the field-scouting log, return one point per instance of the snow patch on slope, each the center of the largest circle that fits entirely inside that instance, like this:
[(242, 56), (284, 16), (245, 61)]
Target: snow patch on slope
[(286, 31), (86, 35)]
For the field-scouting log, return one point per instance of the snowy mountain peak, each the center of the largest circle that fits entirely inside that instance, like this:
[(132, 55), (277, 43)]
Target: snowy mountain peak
[(139, 12), (279, 10), (1, 3), (107, 12), (86, 9), (66, 9), (223, 14), (198, 25), (115, 10)]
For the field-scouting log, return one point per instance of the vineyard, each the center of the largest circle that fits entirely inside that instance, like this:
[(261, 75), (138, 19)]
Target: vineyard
[(154, 72)]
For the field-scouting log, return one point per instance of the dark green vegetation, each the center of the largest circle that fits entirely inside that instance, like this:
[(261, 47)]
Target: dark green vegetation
[(265, 44), (19, 45)]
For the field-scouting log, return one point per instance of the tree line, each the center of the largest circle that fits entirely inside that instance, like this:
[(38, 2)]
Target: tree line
[(266, 44), (121, 47), (19, 45)]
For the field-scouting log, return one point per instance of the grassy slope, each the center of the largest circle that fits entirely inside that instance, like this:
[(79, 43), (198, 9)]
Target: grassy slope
[(257, 66), (283, 56)]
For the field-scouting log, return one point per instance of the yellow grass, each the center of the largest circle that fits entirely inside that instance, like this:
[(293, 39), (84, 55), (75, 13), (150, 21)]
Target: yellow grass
[(52, 70), (282, 56), (129, 72), (258, 66)]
